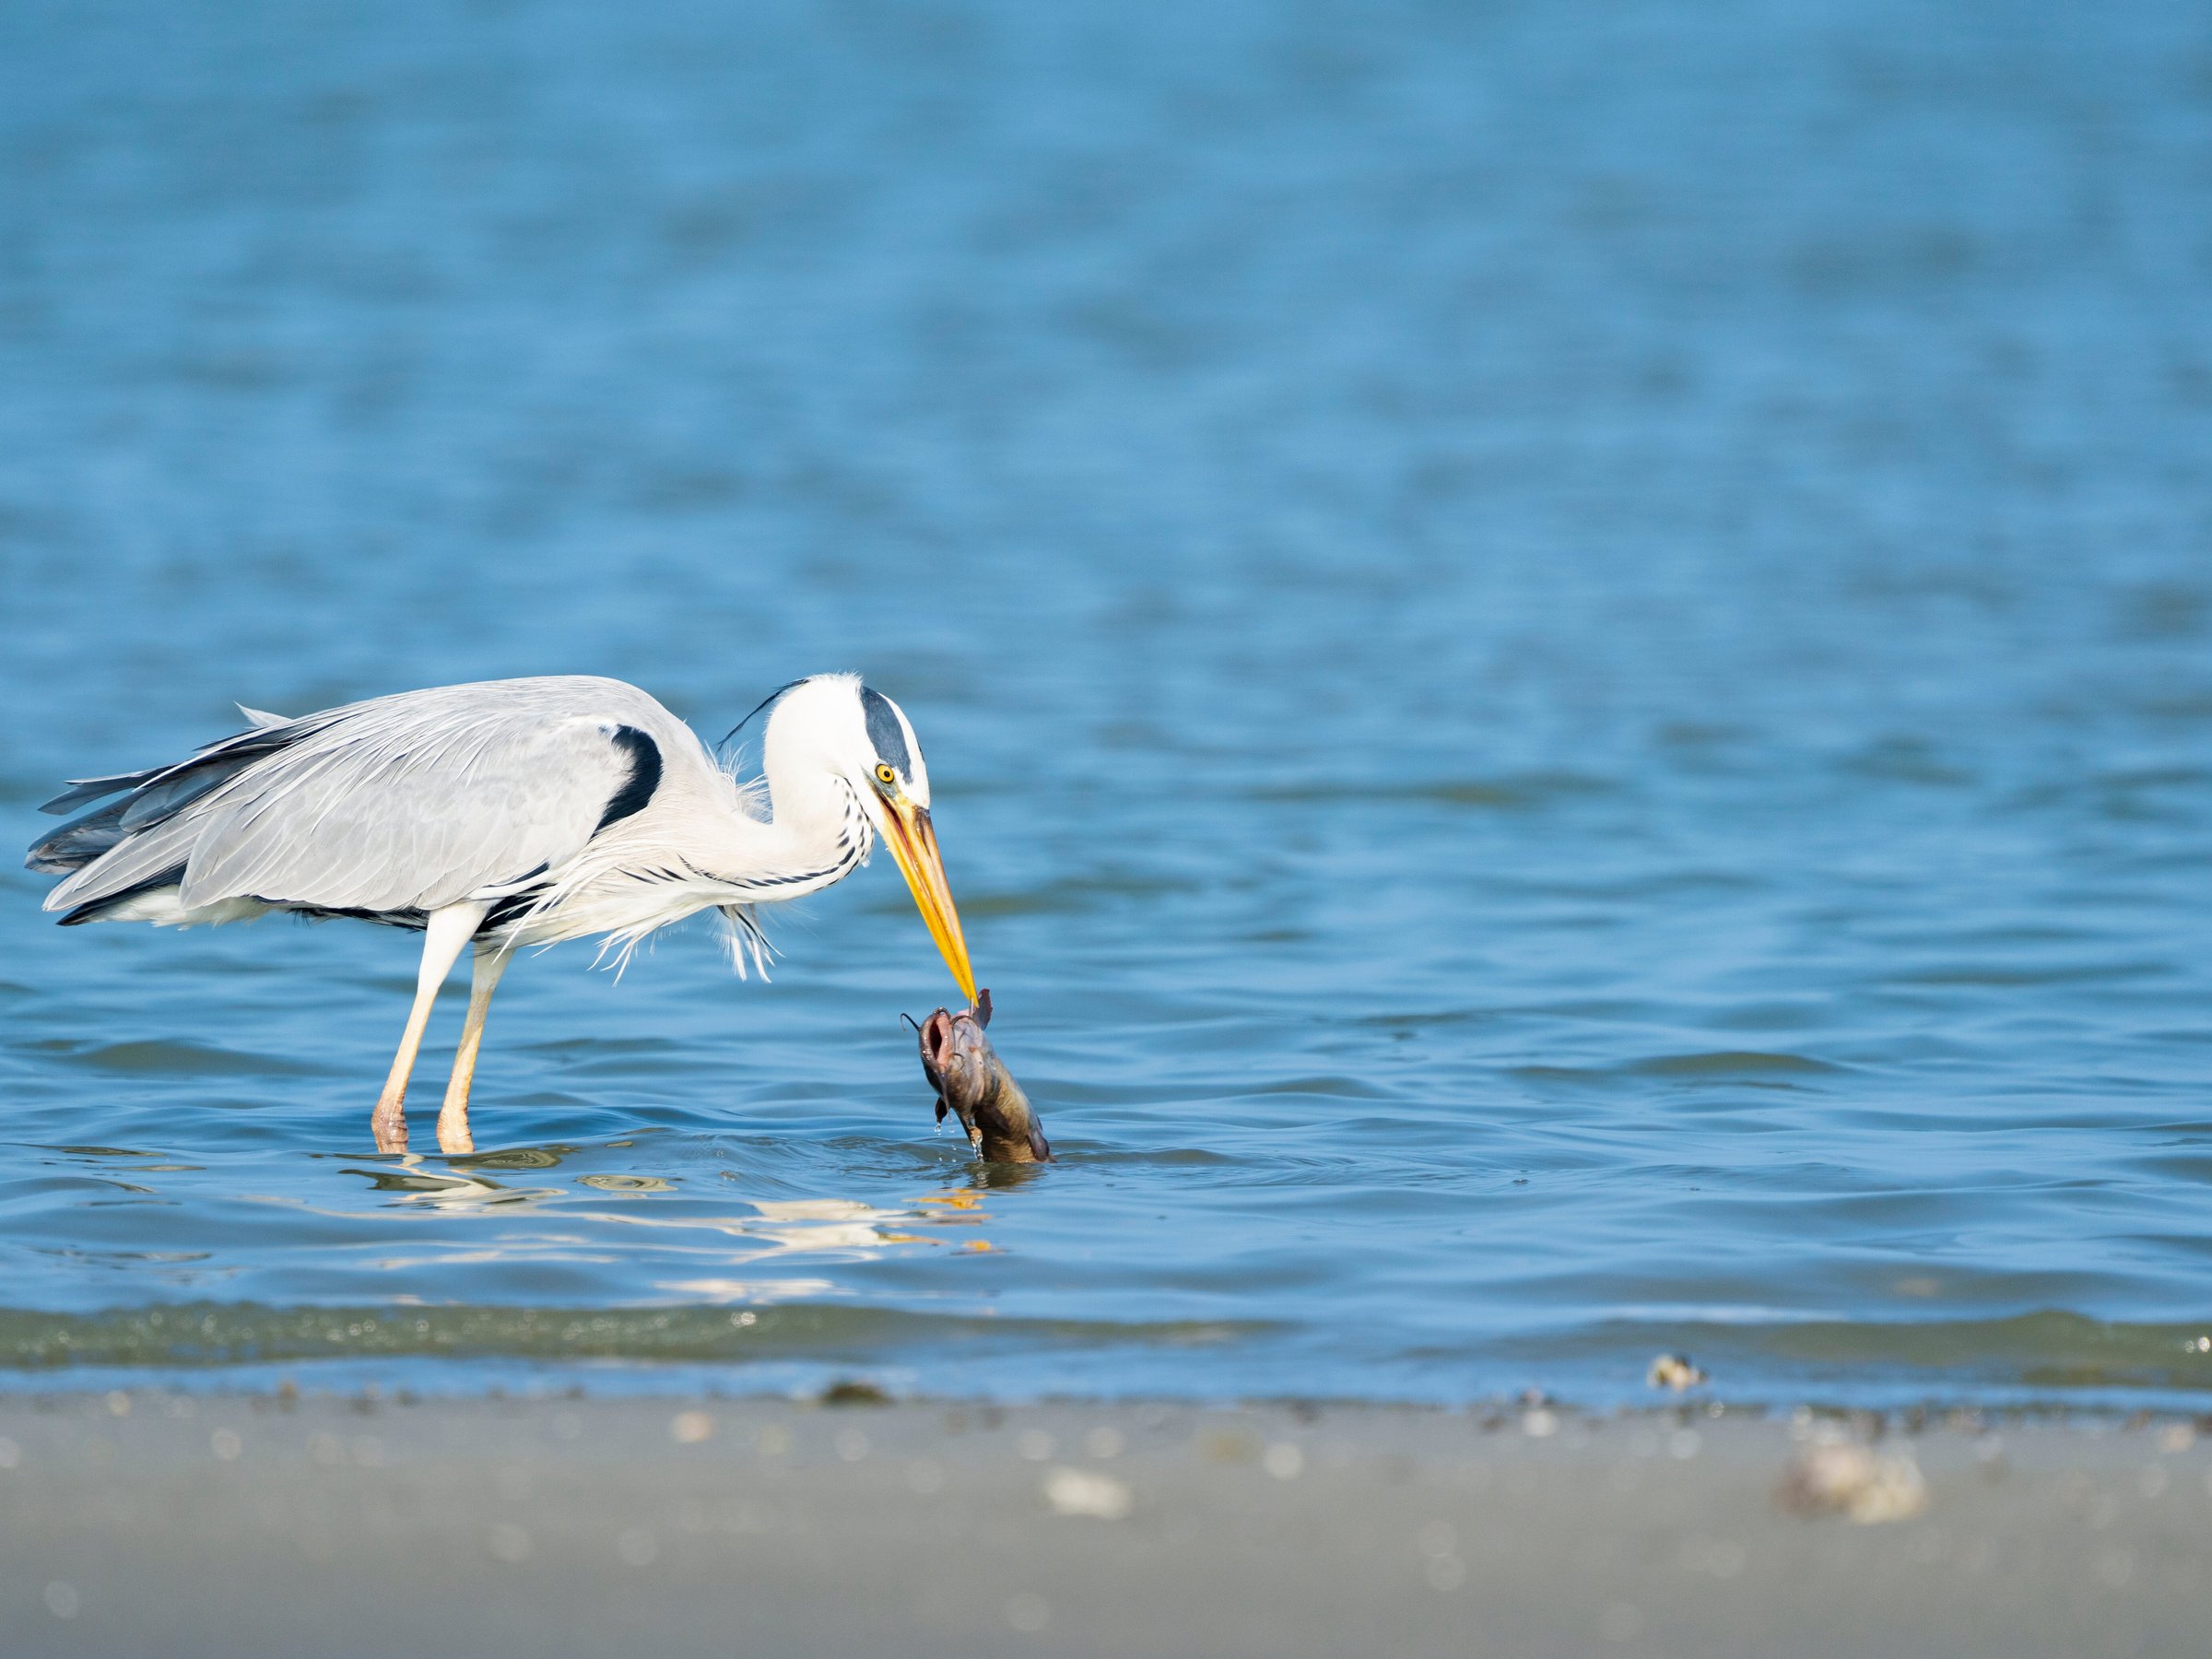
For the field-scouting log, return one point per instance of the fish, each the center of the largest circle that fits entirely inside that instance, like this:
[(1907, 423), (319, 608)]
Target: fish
[(972, 1082)]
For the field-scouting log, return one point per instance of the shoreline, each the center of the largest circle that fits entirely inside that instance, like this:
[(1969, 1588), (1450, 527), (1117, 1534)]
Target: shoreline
[(480, 1380), (192, 1523), (288, 1387)]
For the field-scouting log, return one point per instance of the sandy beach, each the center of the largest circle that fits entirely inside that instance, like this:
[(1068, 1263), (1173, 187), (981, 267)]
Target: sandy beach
[(186, 1525)]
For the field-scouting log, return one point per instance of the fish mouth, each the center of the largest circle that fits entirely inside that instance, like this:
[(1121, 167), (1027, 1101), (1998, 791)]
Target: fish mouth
[(914, 843), (959, 1073), (936, 1048)]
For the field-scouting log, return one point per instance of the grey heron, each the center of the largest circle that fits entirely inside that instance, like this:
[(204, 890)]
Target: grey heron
[(506, 813)]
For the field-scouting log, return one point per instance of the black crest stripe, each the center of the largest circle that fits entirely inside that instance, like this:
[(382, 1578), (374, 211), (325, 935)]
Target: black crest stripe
[(885, 732)]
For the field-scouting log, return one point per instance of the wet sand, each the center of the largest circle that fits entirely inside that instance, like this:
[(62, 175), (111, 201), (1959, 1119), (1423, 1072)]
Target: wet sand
[(152, 1524)]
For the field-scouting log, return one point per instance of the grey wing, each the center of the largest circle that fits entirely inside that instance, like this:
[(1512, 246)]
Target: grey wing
[(404, 804)]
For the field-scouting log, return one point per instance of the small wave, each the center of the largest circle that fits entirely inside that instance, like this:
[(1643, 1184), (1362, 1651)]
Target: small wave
[(1731, 1062), (184, 1059)]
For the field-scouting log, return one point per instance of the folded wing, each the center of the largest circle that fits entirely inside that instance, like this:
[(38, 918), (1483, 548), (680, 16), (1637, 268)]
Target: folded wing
[(403, 804)]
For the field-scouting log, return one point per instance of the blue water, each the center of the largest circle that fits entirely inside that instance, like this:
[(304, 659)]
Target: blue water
[(1566, 653)]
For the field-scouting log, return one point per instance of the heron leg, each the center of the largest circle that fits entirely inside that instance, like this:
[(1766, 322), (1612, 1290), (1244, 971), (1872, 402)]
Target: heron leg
[(444, 935), (484, 978)]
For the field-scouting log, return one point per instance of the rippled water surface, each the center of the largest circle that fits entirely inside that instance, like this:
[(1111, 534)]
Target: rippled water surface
[(1567, 651)]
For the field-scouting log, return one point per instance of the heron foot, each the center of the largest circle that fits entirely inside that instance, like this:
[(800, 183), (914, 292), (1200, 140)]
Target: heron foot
[(389, 1123), (453, 1131)]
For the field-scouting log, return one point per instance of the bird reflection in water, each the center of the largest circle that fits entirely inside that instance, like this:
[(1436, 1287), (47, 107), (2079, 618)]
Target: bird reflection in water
[(850, 1229), (454, 1192)]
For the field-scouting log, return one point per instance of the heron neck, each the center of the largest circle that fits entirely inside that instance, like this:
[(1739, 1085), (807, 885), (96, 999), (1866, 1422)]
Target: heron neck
[(815, 833)]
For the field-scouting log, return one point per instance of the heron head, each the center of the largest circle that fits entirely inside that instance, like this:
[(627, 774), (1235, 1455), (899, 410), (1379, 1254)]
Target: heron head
[(864, 739)]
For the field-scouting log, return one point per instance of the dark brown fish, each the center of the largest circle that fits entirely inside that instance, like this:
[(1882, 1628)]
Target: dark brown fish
[(972, 1081)]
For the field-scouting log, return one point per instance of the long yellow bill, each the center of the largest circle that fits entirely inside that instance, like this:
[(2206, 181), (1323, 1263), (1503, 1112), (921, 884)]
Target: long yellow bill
[(915, 845)]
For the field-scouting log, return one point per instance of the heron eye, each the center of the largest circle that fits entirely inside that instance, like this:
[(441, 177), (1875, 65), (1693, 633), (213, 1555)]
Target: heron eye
[(885, 775)]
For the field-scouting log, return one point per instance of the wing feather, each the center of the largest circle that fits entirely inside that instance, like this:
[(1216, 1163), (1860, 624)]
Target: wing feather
[(404, 803)]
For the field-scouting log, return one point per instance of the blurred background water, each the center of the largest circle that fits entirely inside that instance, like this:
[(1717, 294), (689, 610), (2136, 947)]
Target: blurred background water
[(1567, 653)]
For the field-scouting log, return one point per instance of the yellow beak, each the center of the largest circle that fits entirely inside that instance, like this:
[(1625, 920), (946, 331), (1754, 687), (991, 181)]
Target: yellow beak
[(915, 845)]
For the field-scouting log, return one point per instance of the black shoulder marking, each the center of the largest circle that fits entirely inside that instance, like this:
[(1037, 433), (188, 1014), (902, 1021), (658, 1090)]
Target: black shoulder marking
[(96, 909), (884, 731), (645, 776)]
